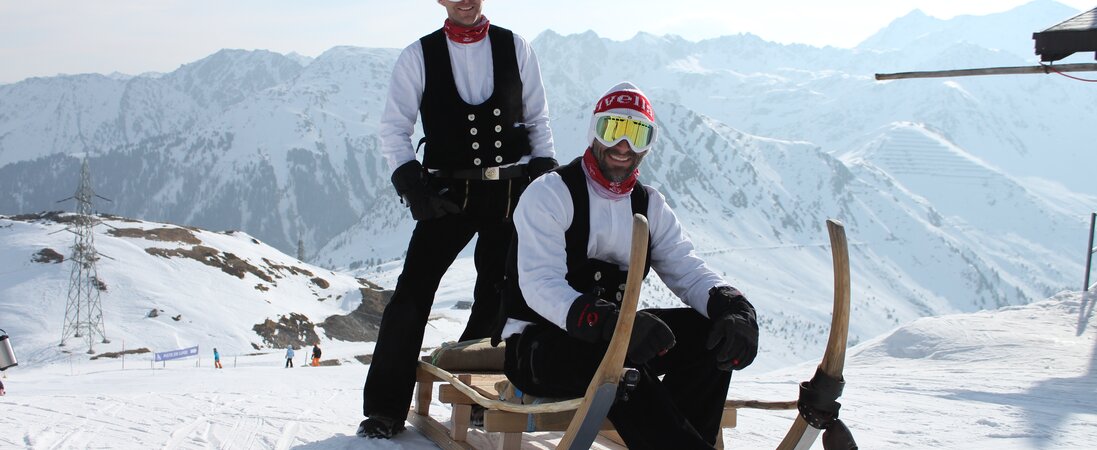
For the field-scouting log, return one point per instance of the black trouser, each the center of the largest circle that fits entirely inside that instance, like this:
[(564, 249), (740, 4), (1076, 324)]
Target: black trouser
[(681, 411), (434, 246)]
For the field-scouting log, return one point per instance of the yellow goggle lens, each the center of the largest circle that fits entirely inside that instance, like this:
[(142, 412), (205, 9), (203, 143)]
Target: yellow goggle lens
[(612, 128)]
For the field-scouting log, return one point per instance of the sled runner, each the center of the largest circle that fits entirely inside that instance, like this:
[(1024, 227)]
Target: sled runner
[(470, 373)]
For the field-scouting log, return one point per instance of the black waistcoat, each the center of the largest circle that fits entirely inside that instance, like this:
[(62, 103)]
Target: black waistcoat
[(463, 136), (584, 274)]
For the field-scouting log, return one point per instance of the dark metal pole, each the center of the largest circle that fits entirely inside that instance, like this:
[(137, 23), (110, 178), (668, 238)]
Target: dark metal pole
[(1087, 307), (1089, 255), (1044, 69)]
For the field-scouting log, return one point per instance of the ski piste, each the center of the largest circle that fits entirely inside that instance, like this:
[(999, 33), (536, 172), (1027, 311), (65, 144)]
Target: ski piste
[(584, 419)]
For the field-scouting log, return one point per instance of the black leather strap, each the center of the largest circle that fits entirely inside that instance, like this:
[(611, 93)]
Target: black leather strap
[(487, 173)]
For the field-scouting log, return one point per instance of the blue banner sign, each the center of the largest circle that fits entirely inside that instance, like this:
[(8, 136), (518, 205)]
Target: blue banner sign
[(176, 354)]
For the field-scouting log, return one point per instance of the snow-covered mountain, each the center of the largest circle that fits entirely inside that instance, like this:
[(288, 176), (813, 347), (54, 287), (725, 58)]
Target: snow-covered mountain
[(930, 35), (762, 142), (238, 140), (164, 287)]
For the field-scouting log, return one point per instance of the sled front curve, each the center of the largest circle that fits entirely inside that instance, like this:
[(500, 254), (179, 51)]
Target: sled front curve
[(602, 390), (800, 436)]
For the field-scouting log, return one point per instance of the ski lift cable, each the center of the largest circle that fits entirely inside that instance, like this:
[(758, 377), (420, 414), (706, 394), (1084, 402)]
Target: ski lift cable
[(1056, 70)]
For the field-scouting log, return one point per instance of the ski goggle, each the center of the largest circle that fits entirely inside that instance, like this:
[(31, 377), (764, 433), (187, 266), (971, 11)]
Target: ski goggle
[(611, 128)]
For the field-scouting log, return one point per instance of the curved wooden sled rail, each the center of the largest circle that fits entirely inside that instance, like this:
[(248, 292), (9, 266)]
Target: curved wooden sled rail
[(602, 389), (800, 436)]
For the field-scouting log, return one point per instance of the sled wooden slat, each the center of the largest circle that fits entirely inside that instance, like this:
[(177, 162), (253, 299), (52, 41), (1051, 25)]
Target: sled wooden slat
[(489, 403), (447, 393), (503, 421), (759, 404), (509, 422), (436, 432)]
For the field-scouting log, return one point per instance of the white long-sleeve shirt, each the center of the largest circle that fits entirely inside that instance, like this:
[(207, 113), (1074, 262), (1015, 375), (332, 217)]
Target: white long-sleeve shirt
[(545, 212), (475, 79)]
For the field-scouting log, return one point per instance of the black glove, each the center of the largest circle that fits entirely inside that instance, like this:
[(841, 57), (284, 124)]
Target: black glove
[(538, 166), (592, 320), (412, 182), (651, 337), (734, 333)]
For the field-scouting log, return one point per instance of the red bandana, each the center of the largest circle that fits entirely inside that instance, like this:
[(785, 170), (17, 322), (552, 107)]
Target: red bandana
[(466, 35), (617, 188)]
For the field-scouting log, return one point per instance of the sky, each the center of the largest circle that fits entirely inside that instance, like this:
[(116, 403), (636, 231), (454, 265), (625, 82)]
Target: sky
[(50, 37)]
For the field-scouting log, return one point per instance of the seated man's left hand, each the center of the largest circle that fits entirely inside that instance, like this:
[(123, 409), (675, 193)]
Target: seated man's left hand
[(734, 333), (538, 166)]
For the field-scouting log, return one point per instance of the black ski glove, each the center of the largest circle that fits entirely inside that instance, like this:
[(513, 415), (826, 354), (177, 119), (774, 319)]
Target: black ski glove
[(592, 320), (651, 337), (538, 166), (412, 182), (734, 333)]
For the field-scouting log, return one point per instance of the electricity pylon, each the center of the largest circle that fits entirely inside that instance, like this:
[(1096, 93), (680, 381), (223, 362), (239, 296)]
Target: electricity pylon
[(84, 312)]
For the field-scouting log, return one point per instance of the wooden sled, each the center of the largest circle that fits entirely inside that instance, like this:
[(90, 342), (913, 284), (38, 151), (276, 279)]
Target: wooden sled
[(476, 384)]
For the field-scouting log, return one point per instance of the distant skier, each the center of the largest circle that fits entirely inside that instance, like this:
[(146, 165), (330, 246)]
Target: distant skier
[(216, 359), (289, 356), (315, 355)]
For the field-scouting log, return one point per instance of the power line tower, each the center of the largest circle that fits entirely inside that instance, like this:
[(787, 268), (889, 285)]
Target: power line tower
[(84, 313), (300, 248), (300, 241)]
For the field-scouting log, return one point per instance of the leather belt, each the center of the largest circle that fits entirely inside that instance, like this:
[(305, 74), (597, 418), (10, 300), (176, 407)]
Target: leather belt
[(486, 173)]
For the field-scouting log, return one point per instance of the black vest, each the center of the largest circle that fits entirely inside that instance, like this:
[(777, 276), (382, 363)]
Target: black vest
[(463, 136), (584, 274)]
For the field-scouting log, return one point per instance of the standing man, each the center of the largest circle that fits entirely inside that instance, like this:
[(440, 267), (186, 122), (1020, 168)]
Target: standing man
[(216, 358), (478, 90), (316, 354), (564, 290), (289, 356)]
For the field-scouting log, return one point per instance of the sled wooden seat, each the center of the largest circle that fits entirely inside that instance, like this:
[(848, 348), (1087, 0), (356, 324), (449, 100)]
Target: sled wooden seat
[(475, 384), (550, 415)]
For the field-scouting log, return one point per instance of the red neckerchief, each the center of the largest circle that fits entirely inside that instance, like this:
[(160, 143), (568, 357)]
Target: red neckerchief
[(466, 35), (616, 187)]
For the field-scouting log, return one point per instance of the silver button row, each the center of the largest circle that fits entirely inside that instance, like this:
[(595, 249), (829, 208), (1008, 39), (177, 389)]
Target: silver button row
[(473, 131), (476, 145), (478, 161), (496, 112)]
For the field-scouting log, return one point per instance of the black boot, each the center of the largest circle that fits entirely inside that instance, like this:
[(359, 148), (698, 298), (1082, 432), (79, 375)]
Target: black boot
[(380, 427)]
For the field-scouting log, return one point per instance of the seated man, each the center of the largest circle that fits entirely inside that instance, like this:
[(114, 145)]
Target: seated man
[(566, 281)]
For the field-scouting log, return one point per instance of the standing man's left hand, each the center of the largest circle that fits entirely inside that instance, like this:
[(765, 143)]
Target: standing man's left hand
[(734, 333)]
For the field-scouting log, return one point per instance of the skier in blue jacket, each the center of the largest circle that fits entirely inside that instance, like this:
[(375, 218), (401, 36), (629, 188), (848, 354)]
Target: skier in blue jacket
[(289, 356)]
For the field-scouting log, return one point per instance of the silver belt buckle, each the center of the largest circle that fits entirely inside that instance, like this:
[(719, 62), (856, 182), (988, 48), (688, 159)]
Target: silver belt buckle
[(491, 173)]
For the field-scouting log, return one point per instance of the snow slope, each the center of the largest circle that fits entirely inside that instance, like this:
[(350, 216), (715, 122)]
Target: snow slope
[(1016, 378)]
